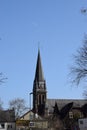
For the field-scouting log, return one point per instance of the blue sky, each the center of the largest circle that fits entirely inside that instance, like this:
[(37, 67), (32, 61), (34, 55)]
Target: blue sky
[(59, 26)]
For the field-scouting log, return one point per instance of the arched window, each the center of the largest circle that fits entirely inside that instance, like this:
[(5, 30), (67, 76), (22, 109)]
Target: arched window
[(39, 99), (43, 99)]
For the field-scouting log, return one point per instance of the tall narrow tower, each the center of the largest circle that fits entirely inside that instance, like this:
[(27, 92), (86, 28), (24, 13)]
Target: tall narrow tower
[(39, 89)]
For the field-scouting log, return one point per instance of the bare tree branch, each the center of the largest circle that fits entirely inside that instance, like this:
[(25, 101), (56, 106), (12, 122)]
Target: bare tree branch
[(19, 106), (78, 71), (85, 94), (1, 103)]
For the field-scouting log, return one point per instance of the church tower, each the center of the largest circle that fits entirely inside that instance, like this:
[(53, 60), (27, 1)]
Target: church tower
[(39, 89)]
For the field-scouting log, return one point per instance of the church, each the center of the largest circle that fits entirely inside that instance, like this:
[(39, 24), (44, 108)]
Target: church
[(49, 111), (43, 106)]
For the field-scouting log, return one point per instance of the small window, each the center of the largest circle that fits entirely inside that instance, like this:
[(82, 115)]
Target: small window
[(31, 124), (81, 122), (31, 117), (70, 115), (9, 126)]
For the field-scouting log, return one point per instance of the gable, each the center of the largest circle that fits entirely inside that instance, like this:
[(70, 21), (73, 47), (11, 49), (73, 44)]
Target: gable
[(29, 116)]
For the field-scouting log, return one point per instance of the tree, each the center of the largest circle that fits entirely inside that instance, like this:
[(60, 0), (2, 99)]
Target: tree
[(18, 105), (2, 79), (1, 103), (79, 70)]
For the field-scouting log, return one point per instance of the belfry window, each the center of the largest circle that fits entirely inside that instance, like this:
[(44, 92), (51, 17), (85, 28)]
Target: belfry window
[(43, 99), (39, 99)]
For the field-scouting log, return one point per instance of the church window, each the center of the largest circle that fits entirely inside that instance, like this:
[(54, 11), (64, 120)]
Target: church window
[(70, 114), (43, 99), (39, 99)]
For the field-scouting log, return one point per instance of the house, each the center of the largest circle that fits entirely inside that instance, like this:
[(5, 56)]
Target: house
[(7, 120), (31, 120)]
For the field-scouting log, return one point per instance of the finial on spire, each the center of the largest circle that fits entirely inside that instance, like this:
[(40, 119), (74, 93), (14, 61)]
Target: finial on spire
[(38, 45)]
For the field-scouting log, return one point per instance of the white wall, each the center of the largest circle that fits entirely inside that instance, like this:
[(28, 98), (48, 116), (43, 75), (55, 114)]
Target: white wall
[(83, 124), (7, 126)]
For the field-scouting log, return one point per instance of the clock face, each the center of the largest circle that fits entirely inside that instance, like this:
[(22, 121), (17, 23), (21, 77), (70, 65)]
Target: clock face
[(41, 86)]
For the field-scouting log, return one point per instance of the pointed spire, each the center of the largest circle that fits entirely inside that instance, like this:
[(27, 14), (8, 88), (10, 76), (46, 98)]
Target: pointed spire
[(39, 72)]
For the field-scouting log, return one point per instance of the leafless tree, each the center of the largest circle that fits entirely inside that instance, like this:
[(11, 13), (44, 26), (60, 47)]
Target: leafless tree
[(1, 103), (2, 80), (18, 105), (79, 70), (85, 94)]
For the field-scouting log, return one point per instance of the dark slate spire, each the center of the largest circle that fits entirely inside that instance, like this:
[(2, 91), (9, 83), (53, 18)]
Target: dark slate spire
[(39, 72)]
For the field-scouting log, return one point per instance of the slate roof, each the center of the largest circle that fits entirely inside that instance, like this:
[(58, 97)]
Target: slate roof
[(7, 116), (50, 103), (39, 72)]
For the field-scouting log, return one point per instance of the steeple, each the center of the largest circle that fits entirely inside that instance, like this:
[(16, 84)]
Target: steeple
[(39, 72), (39, 89)]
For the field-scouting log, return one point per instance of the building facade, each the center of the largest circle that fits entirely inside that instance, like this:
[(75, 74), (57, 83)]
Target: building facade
[(7, 120)]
